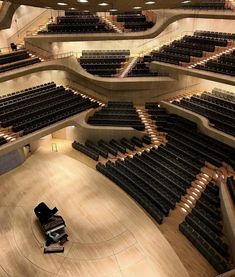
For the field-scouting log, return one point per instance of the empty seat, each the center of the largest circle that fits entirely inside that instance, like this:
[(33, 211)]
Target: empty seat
[(86, 150)]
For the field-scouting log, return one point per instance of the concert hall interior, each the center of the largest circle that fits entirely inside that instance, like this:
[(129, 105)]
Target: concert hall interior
[(117, 138)]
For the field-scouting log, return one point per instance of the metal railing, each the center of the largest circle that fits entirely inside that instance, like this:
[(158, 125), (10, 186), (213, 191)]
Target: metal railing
[(158, 42), (64, 55)]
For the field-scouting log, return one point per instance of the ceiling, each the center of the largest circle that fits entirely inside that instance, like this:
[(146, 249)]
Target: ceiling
[(93, 5)]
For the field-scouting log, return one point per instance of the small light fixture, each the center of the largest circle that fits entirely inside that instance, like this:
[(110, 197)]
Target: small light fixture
[(62, 4), (103, 4), (150, 2), (186, 2), (137, 8), (113, 10), (72, 8), (82, 1)]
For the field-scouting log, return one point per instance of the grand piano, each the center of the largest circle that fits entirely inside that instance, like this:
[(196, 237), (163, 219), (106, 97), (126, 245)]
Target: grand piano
[(52, 225)]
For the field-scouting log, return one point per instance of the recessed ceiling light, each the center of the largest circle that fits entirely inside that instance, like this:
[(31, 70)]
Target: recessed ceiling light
[(150, 2), (82, 1), (113, 10), (62, 4), (186, 2), (136, 8), (103, 4), (72, 8)]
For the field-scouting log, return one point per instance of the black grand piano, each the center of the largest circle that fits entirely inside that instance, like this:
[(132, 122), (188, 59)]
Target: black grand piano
[(52, 225)]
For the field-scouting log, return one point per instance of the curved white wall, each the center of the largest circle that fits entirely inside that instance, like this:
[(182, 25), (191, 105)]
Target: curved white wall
[(22, 16)]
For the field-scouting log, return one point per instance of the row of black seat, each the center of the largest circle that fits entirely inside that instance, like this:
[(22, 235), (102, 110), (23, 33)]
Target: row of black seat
[(132, 21), (117, 114), (182, 51), (157, 113), (104, 63), (156, 179), (17, 94), (100, 27), (105, 52), (221, 113), (138, 26), (86, 150), (103, 148), (39, 107), (76, 22), (141, 69), (203, 228), (224, 64), (195, 148), (216, 34), (77, 13), (117, 13), (207, 5), (182, 135), (10, 54), (224, 94), (13, 57), (16, 60), (82, 19)]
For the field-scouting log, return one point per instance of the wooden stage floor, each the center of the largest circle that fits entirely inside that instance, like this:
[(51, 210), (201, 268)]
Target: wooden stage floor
[(110, 235)]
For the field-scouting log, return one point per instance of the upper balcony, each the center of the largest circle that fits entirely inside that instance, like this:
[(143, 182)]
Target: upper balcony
[(86, 26)]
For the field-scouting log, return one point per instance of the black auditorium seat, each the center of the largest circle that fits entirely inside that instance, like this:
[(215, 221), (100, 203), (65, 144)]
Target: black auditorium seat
[(77, 22), (184, 50), (223, 64), (117, 114), (134, 21), (87, 150), (104, 63), (17, 59), (141, 68), (215, 107), (32, 109), (159, 177), (207, 5), (203, 228)]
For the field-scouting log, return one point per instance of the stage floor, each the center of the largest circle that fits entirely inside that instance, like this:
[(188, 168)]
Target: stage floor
[(109, 234)]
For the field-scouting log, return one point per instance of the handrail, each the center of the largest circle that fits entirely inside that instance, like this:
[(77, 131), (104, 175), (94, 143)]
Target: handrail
[(143, 50), (64, 55)]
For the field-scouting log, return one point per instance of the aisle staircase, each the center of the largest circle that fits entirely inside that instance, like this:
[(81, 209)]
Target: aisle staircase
[(109, 23), (129, 67), (214, 55)]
